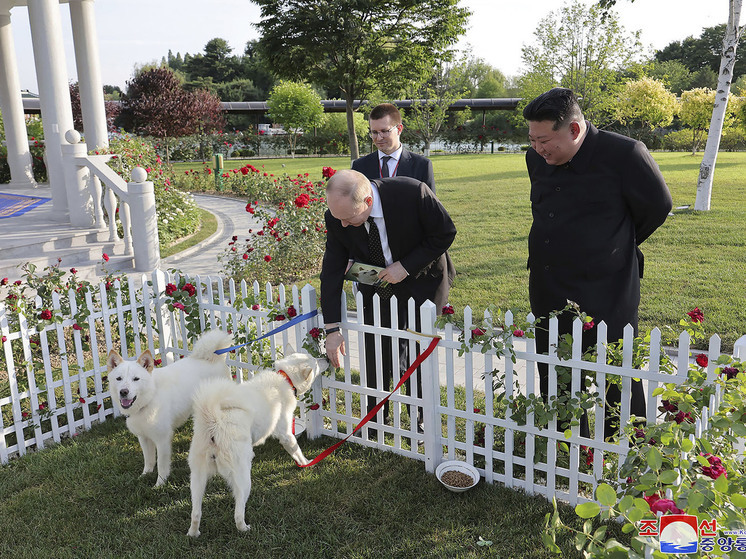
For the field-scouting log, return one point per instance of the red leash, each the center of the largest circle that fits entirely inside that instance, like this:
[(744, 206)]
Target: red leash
[(417, 362)]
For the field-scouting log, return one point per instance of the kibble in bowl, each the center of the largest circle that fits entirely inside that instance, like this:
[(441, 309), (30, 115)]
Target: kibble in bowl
[(456, 475)]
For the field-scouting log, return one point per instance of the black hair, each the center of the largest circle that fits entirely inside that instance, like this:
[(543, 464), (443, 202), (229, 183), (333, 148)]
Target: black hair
[(560, 105)]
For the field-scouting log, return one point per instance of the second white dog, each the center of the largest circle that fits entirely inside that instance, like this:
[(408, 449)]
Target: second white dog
[(230, 419)]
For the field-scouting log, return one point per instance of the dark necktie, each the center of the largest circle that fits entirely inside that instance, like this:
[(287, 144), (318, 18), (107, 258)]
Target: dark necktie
[(385, 166), (377, 258)]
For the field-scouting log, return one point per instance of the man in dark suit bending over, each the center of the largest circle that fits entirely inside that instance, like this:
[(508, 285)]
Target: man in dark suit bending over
[(595, 197), (391, 159), (400, 221)]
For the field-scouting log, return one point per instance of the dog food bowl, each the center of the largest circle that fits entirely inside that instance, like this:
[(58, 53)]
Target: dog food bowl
[(457, 474), (299, 427)]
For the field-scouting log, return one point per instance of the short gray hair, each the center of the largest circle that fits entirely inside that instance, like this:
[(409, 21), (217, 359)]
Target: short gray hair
[(350, 184)]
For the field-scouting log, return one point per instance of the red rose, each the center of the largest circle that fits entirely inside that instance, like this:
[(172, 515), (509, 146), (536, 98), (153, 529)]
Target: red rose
[(4, 281), (327, 172), (279, 317), (189, 288), (588, 325), (315, 333), (665, 505), (157, 362), (249, 208), (4, 339), (291, 312), (81, 400), (73, 271), (477, 332), (729, 372), (701, 360), (669, 407), (244, 171), (681, 417), (696, 315), (245, 256), (267, 258), (46, 314), (302, 200), (448, 309), (17, 282), (171, 289), (518, 333), (105, 257), (715, 469), (314, 407), (77, 326), (255, 307), (179, 306)]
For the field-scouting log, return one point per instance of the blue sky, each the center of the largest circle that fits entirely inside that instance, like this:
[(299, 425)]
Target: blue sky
[(134, 32)]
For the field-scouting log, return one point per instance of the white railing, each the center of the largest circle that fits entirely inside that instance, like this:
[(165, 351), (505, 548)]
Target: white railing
[(136, 200), (52, 369)]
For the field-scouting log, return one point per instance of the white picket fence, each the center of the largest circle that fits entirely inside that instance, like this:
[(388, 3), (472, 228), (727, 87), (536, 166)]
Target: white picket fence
[(458, 398)]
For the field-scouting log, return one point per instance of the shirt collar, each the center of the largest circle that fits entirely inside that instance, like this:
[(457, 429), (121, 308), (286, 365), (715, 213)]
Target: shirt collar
[(376, 210), (395, 154)]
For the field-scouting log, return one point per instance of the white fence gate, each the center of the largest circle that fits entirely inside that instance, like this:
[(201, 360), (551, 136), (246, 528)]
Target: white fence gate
[(52, 386)]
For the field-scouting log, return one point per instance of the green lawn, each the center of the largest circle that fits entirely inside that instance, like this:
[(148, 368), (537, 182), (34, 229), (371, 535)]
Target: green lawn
[(695, 259), (84, 498)]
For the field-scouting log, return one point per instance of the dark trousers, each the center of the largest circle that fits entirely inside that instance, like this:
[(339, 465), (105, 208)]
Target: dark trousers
[(613, 392), (386, 357)]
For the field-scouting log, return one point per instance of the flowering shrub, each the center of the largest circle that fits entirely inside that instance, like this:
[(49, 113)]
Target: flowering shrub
[(673, 467), (178, 215), (289, 244)]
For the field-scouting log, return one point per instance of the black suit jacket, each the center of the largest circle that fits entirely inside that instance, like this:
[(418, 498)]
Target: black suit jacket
[(588, 219), (410, 165), (419, 231)]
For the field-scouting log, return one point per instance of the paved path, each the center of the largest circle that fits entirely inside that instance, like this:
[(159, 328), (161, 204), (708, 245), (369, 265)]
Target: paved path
[(202, 258)]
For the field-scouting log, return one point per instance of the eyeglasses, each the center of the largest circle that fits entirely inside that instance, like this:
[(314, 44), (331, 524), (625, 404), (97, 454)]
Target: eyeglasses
[(382, 133)]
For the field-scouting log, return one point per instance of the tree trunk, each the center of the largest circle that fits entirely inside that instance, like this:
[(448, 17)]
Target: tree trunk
[(349, 109), (728, 60)]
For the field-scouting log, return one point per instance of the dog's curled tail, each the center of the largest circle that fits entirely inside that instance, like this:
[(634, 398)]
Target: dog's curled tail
[(209, 342), (216, 404)]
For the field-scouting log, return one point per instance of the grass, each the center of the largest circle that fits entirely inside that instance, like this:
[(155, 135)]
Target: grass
[(694, 259), (84, 498), (208, 226)]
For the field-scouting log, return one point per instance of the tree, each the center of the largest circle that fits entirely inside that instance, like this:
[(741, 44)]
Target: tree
[(156, 104), (359, 46), (696, 112), (111, 109), (645, 102), (430, 104), (297, 107), (672, 73), (707, 168), (703, 52), (475, 78), (576, 47)]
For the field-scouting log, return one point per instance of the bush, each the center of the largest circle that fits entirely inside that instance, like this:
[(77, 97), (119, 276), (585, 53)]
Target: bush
[(679, 140), (178, 215), (290, 243)]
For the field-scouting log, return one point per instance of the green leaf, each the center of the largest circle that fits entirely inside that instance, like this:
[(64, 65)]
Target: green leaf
[(580, 541), (568, 433), (549, 543), (687, 445), (587, 510), (627, 528), (695, 500), (721, 484), (626, 503), (606, 495), (739, 500), (635, 515), (668, 477), (654, 458)]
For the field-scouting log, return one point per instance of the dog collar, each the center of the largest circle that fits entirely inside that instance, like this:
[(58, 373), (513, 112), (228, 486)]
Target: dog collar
[(290, 382)]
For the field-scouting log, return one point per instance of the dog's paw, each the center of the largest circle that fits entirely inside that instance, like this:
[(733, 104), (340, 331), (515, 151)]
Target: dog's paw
[(193, 533), (160, 483), (242, 526)]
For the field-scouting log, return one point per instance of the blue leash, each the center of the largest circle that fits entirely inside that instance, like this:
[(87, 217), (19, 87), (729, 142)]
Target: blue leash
[(293, 322)]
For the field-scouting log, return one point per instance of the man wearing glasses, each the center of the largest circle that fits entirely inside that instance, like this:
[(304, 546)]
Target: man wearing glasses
[(391, 159)]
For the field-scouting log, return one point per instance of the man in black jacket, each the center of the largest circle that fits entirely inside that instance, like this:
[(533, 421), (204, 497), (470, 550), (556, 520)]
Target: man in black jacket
[(414, 230), (391, 159), (595, 196)]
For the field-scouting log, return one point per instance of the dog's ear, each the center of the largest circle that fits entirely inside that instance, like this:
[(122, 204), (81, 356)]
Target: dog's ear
[(146, 361), (306, 371), (113, 360), (289, 350)]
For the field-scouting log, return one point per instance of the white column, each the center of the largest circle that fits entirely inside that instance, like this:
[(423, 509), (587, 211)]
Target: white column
[(54, 92), (88, 65), (11, 105)]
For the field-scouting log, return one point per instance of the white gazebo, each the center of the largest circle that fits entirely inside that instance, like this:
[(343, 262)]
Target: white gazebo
[(51, 71), (74, 176)]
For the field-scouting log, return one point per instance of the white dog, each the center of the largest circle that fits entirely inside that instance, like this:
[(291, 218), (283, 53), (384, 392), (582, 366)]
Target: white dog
[(157, 402), (230, 419)]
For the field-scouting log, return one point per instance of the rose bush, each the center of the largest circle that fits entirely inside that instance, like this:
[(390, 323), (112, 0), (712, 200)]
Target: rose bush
[(673, 465)]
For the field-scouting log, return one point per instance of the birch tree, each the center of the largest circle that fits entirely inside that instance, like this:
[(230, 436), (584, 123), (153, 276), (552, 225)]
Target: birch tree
[(728, 60)]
